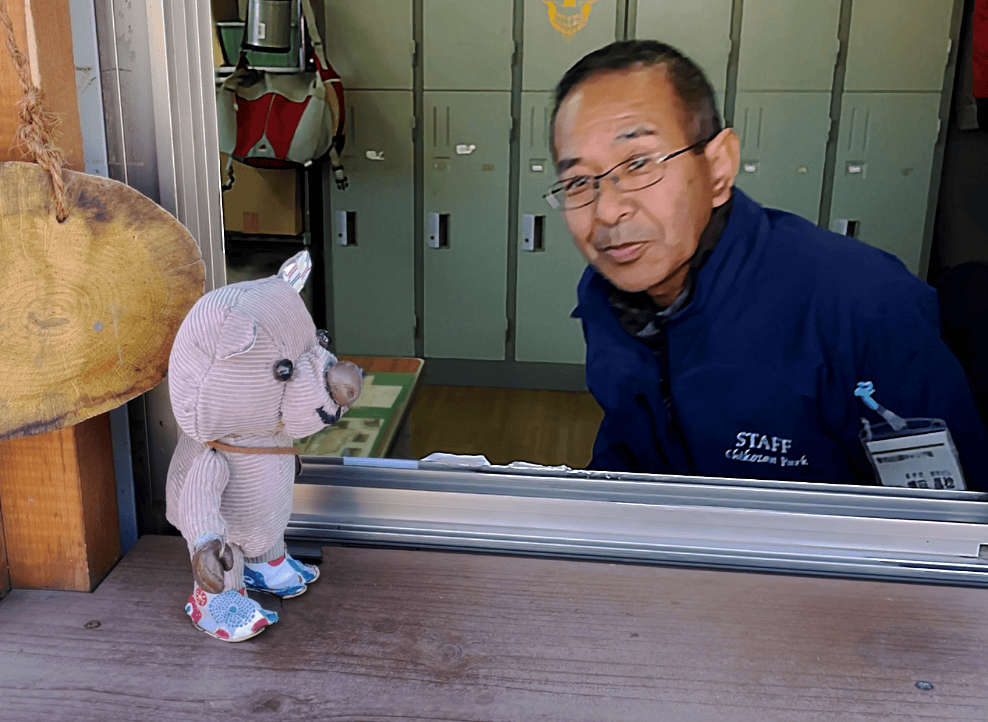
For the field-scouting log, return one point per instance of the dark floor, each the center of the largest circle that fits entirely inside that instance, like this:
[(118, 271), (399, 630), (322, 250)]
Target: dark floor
[(405, 635), (505, 425)]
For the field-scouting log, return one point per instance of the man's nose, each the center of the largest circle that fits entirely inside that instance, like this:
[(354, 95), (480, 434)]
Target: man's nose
[(612, 205)]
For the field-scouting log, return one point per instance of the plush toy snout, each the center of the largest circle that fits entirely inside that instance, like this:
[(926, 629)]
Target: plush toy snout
[(319, 391), (345, 382)]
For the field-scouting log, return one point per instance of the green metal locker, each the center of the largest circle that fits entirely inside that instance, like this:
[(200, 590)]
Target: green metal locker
[(788, 45), (884, 162), (898, 45), (783, 149), (699, 28), (549, 265), (370, 43), (466, 216), (373, 228), (468, 45), (560, 32)]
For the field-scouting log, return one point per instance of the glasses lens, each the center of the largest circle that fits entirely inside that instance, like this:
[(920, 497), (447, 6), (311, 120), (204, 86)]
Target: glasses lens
[(569, 197), (578, 193), (640, 173)]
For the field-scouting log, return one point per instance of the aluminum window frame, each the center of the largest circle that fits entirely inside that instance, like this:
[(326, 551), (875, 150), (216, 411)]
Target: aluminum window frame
[(738, 524), (787, 527)]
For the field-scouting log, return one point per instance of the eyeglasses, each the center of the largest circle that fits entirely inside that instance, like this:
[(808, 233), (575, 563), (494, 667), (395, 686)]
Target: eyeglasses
[(634, 174)]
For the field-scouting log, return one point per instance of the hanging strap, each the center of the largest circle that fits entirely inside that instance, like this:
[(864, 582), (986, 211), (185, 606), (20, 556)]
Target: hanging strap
[(220, 446), (243, 62), (310, 22), (317, 47), (291, 450)]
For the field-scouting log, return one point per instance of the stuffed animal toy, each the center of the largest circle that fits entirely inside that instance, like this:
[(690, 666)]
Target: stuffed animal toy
[(248, 373)]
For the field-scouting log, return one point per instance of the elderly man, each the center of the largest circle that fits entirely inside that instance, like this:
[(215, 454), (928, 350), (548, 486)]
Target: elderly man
[(724, 338)]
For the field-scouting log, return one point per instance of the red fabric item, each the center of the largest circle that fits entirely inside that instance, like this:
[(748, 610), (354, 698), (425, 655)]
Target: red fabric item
[(329, 74), (979, 48), (272, 115), (282, 123), (341, 122), (252, 116)]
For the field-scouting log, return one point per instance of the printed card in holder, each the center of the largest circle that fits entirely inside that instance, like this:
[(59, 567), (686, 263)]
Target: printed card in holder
[(920, 454)]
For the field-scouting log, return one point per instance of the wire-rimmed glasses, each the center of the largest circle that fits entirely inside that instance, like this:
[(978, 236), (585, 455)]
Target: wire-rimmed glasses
[(633, 174)]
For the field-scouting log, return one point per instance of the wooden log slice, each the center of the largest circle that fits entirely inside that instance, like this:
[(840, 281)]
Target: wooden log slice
[(88, 307)]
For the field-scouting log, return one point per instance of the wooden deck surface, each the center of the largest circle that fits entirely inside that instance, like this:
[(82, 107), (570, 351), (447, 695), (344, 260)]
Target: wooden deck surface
[(404, 635)]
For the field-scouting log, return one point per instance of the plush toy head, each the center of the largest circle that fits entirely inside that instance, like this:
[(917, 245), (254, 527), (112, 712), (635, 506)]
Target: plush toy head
[(248, 360)]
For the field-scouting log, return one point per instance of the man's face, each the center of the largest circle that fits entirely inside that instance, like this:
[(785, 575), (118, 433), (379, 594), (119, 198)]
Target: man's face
[(639, 240)]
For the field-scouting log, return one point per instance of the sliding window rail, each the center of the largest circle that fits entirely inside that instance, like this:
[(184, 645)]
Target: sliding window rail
[(787, 527)]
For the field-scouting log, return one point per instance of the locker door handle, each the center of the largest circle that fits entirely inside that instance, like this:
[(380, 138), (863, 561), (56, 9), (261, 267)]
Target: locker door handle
[(845, 226), (346, 228), (439, 230), (532, 232)]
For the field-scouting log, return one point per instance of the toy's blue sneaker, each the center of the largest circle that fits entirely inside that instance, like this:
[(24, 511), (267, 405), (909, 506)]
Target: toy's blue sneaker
[(231, 615), (285, 577)]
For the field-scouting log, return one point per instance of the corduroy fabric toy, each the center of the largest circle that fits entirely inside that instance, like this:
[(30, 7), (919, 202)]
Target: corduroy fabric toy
[(248, 373)]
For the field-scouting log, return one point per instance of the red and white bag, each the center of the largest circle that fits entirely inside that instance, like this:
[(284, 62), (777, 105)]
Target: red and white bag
[(284, 120)]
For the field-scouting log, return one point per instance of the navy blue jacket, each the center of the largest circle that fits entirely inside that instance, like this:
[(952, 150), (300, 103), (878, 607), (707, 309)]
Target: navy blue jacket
[(785, 319)]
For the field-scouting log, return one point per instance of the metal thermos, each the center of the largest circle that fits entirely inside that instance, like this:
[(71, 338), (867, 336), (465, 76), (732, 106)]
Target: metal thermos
[(269, 25)]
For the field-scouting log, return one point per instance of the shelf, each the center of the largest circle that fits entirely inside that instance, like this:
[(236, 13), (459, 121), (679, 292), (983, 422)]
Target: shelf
[(259, 239)]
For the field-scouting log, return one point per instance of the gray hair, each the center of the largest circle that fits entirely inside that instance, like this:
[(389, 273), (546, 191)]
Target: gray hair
[(701, 119)]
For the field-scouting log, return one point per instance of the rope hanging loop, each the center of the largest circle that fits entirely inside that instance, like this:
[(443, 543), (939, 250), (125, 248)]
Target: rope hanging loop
[(38, 129)]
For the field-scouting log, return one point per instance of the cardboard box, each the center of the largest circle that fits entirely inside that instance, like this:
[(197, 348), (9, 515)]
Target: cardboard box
[(263, 201)]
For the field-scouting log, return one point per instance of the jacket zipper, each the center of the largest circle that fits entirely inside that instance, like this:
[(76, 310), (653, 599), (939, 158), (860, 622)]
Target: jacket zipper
[(656, 441), (662, 354)]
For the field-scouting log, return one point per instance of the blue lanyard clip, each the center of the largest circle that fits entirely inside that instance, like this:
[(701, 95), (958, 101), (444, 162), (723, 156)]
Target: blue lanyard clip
[(864, 391)]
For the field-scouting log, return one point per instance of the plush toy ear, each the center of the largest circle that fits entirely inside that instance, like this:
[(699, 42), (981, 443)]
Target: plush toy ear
[(236, 337), (296, 270)]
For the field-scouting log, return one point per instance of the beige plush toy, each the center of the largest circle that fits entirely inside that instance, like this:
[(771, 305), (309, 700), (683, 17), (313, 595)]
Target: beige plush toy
[(248, 373)]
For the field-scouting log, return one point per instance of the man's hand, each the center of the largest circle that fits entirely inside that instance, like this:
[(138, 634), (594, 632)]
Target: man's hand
[(209, 561)]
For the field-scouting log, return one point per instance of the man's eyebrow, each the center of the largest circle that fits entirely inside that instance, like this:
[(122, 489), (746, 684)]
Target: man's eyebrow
[(566, 163), (639, 132)]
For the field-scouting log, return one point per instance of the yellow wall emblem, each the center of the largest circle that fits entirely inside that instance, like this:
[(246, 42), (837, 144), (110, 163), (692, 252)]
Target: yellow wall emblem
[(566, 20)]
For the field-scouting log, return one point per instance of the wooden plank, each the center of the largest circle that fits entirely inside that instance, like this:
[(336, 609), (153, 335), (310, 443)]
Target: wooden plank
[(4, 572), (100, 515), (56, 65), (60, 509), (52, 37), (47, 490), (10, 89), (402, 635)]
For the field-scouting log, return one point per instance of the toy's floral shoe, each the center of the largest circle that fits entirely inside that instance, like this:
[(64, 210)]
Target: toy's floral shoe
[(286, 577), (230, 616)]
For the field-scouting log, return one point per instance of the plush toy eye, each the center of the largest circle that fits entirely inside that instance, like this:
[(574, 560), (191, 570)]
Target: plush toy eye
[(283, 370), (322, 336)]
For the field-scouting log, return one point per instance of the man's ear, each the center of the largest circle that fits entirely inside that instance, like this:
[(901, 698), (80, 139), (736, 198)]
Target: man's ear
[(724, 155)]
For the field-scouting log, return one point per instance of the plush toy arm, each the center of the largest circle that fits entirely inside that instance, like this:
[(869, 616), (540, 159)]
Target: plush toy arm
[(199, 502), (209, 561)]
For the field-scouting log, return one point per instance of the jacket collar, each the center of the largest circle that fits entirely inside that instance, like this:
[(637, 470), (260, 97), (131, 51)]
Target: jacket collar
[(737, 245), (639, 314)]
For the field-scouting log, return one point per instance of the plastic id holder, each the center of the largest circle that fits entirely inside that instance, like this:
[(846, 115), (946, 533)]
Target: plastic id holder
[(919, 456)]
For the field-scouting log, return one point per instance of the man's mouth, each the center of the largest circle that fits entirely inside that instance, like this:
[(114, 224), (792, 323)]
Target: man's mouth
[(625, 252)]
